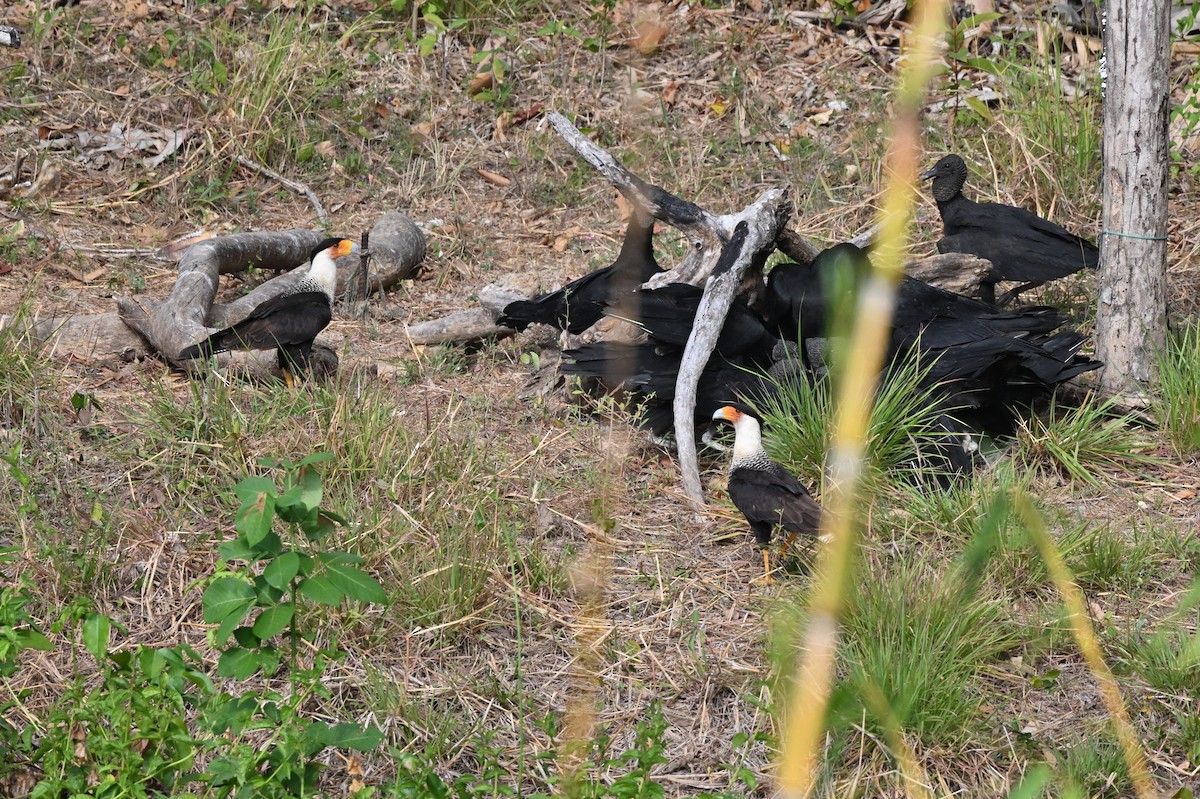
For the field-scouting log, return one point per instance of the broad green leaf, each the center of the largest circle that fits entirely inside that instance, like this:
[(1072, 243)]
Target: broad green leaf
[(345, 736), (980, 108), (356, 583), (321, 589), (266, 594), (340, 558), (320, 524), (282, 569), (316, 457), (310, 485), (274, 620), (96, 629), (251, 487), (33, 639), (236, 549), (290, 498), (245, 636), (237, 663), (224, 596), (255, 516)]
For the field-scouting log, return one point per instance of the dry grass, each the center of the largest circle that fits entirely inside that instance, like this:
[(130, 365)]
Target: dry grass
[(628, 600)]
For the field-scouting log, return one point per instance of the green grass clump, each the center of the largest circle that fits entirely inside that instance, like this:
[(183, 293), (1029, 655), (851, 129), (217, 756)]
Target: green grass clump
[(1084, 441), (903, 427), (918, 637), (1178, 402)]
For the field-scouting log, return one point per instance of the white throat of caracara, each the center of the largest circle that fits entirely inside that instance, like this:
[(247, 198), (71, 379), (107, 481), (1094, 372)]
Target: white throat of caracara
[(747, 439), (323, 271)]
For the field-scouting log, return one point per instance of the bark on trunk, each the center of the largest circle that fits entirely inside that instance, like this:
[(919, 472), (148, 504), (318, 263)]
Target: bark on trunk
[(1131, 315)]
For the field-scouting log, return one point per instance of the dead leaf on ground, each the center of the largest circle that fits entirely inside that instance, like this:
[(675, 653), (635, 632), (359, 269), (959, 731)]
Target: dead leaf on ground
[(649, 30), (481, 81), (492, 177)]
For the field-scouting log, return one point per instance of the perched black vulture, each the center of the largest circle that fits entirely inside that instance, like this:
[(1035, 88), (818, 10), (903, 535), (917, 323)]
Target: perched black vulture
[(767, 494), (289, 321), (1020, 245), (667, 314), (580, 304)]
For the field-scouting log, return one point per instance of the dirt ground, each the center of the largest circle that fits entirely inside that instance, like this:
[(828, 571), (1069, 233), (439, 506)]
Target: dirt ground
[(712, 102)]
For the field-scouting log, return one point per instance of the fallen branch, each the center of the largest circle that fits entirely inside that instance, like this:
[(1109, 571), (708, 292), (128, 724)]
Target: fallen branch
[(723, 249), (295, 186)]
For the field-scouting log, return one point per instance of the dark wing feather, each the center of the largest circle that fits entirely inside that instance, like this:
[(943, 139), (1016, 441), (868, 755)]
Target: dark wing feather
[(285, 320), (774, 497), (1021, 245)]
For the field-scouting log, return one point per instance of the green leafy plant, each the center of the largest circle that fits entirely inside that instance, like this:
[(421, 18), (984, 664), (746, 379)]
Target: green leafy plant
[(128, 735), (280, 579)]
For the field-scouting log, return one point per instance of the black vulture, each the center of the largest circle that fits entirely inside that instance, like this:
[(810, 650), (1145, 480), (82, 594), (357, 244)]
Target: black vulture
[(767, 494), (289, 321), (580, 304), (649, 371), (1020, 245), (988, 363), (668, 313)]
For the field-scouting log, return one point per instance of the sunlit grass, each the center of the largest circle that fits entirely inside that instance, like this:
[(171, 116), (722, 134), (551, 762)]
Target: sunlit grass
[(1177, 405)]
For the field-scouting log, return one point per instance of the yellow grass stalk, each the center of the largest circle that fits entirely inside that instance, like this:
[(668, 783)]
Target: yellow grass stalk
[(805, 722), (1089, 647), (916, 781)]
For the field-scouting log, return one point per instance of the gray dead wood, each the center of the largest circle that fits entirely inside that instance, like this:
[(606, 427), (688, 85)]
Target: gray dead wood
[(179, 321), (473, 325), (105, 339), (188, 314), (397, 248), (1131, 314), (952, 271), (723, 248)]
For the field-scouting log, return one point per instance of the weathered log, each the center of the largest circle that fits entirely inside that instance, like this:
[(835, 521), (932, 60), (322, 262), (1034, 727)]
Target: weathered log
[(179, 321), (464, 326), (952, 271), (107, 339), (187, 315), (397, 248)]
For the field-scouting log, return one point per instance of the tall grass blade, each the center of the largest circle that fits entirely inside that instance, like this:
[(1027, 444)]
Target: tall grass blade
[(1089, 647)]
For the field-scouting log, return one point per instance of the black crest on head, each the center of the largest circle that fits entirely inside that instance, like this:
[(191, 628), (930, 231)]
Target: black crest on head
[(325, 244)]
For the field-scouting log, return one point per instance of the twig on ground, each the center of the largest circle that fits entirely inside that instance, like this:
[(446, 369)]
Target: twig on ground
[(294, 185)]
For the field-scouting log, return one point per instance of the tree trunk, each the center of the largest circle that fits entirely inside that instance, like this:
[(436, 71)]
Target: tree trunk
[(1131, 318)]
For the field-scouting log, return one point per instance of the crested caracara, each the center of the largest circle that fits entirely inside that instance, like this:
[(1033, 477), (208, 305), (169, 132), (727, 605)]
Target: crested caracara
[(767, 494), (1021, 245), (289, 321)]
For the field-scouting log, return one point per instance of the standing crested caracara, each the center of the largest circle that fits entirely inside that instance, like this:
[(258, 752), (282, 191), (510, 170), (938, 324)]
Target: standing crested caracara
[(289, 321), (767, 494)]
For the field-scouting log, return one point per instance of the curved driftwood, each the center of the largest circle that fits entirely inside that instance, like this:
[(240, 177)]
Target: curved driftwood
[(188, 314), (179, 321)]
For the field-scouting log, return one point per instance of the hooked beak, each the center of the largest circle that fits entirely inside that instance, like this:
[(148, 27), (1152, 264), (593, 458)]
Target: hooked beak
[(928, 173)]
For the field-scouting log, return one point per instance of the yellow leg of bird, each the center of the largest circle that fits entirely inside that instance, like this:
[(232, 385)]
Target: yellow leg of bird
[(766, 578), (288, 378), (787, 546)]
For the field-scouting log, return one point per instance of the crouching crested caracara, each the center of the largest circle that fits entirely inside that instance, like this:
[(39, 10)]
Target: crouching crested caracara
[(767, 494), (289, 321)]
